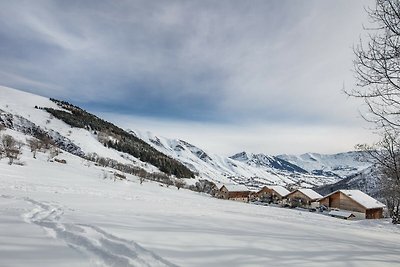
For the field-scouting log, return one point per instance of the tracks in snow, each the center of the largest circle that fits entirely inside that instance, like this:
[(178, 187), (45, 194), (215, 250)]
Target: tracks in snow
[(101, 246)]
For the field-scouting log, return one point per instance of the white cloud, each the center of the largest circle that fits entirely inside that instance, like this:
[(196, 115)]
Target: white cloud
[(276, 138), (274, 68)]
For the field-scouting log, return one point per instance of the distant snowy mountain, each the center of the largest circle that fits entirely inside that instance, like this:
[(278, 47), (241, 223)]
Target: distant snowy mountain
[(367, 181), (274, 162), (341, 165), (252, 170)]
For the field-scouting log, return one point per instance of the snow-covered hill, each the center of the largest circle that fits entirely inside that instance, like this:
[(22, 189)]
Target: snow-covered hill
[(23, 112), (341, 164)]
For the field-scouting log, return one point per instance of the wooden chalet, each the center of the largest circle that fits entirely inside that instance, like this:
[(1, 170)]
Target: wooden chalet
[(234, 192), (360, 204), (303, 197), (272, 194)]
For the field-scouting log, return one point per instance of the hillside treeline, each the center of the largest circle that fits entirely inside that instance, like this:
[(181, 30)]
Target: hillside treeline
[(117, 138)]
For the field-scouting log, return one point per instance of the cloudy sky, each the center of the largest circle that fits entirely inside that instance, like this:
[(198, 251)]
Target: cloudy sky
[(261, 76)]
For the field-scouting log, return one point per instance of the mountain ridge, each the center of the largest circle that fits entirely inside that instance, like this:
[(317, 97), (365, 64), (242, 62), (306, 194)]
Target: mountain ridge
[(341, 164), (253, 170), (267, 160), (246, 168)]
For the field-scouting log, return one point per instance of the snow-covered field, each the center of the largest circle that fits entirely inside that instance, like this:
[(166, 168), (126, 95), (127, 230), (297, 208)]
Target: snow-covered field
[(54, 214)]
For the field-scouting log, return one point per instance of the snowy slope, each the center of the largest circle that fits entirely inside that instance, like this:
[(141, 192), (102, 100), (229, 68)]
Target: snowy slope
[(341, 164), (54, 214), (234, 169), (21, 106)]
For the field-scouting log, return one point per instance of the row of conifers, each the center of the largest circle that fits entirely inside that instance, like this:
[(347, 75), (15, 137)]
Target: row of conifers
[(346, 204)]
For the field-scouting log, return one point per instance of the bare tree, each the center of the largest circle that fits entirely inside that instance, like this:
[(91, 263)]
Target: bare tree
[(11, 148), (53, 152), (105, 174), (377, 65), (386, 155), (2, 151), (377, 68), (35, 145)]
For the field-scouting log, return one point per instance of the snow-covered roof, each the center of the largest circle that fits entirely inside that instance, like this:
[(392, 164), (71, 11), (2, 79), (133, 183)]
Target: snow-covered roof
[(279, 189), (310, 193), (341, 213), (363, 199), (235, 187)]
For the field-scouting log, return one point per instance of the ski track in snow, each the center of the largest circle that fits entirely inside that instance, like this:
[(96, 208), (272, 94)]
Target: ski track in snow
[(101, 246)]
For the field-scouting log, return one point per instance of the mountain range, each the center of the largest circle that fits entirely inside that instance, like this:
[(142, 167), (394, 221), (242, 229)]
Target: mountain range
[(81, 133)]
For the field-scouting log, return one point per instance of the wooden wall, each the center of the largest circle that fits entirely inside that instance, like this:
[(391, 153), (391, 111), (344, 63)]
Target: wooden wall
[(299, 198), (346, 203), (341, 201), (325, 202), (374, 213)]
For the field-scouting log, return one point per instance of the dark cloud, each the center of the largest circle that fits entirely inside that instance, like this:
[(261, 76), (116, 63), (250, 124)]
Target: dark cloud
[(201, 60)]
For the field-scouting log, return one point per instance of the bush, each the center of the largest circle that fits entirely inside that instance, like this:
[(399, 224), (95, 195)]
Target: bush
[(179, 183)]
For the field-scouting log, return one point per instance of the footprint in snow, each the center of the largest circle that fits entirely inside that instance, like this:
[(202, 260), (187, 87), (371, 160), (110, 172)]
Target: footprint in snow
[(89, 239)]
